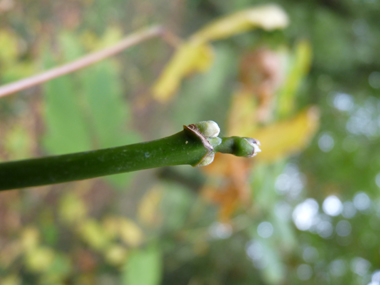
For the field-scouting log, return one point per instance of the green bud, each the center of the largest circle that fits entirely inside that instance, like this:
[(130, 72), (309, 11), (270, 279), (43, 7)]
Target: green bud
[(209, 129), (215, 141), (246, 147), (255, 144), (207, 159)]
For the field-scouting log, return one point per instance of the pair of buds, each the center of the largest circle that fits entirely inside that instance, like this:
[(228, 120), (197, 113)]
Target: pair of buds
[(208, 132)]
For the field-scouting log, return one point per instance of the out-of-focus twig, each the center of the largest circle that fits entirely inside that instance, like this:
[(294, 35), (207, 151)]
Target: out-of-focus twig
[(129, 41)]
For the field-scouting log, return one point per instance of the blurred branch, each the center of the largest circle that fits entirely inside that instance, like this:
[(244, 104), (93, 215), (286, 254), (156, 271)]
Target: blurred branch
[(129, 41), (192, 182)]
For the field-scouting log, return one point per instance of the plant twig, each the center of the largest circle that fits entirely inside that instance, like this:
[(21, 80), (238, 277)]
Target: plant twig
[(190, 146), (87, 60)]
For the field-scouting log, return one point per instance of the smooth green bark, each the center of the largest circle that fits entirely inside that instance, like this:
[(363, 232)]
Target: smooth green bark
[(186, 147), (173, 150)]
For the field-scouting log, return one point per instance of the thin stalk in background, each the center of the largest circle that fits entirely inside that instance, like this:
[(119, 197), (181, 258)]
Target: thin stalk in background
[(129, 41)]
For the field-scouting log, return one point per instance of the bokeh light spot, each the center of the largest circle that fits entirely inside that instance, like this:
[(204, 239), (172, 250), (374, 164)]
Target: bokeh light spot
[(377, 179), (304, 272), (304, 214), (265, 229), (343, 228), (361, 201), (360, 266), (349, 210), (332, 206), (376, 277), (343, 102), (310, 254), (326, 142), (374, 79), (220, 231), (325, 229), (338, 267)]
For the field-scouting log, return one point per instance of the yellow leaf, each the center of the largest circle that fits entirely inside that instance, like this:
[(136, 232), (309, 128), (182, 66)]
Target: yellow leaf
[(92, 232), (148, 209), (39, 259), (111, 226), (242, 116), (284, 138), (92, 42), (71, 208), (190, 57), (267, 17), (8, 48), (116, 254), (112, 35), (196, 55), (30, 238), (130, 233)]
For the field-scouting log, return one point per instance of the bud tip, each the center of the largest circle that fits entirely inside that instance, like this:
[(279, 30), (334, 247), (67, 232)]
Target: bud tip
[(209, 129), (255, 144)]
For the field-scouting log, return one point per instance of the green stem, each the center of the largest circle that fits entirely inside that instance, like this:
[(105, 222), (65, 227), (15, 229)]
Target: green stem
[(171, 150), (238, 146), (185, 147)]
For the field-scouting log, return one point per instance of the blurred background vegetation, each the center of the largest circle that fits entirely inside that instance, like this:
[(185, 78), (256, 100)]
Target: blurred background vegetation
[(304, 211)]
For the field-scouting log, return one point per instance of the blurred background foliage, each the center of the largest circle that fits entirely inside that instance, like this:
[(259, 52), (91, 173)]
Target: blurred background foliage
[(304, 211)]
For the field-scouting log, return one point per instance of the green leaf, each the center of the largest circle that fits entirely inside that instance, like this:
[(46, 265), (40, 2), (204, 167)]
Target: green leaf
[(70, 47), (108, 111), (210, 87), (299, 65), (285, 233), (59, 268), (274, 272), (176, 204), (87, 113), (272, 266), (264, 194), (66, 127), (144, 266)]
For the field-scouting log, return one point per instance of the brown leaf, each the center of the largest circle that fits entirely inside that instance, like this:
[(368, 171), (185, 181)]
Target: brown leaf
[(234, 190), (261, 73)]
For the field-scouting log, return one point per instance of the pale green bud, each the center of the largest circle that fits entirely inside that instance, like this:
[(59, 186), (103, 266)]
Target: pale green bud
[(207, 159), (255, 144), (215, 141), (209, 129)]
